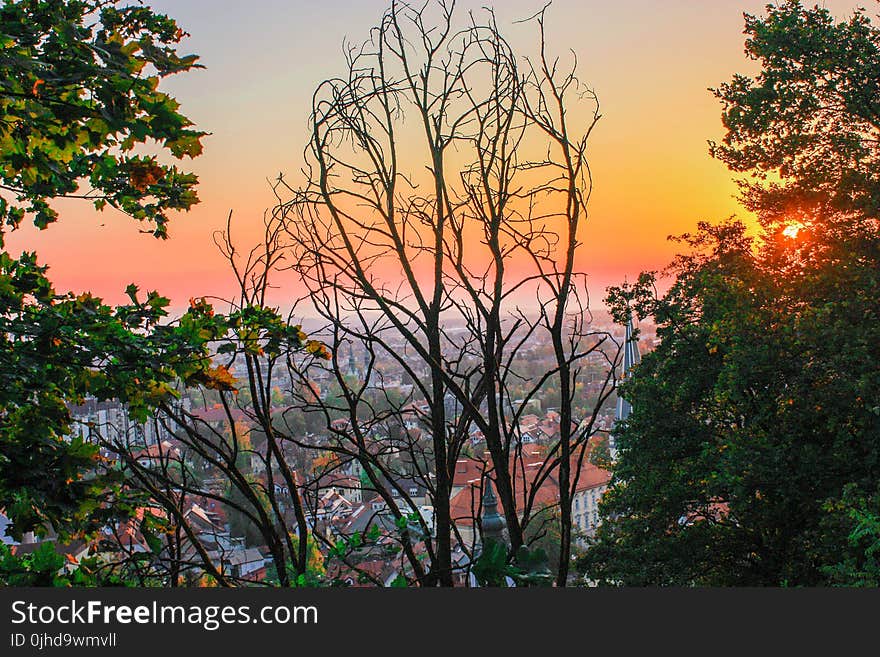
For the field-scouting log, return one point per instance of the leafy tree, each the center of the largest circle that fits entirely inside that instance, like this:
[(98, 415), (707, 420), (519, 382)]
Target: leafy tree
[(313, 574), (45, 566), (42, 567), (59, 348), (78, 92), (810, 118), (241, 523), (244, 451), (752, 455), (860, 565)]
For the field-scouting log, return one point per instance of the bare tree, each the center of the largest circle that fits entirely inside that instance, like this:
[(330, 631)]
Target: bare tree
[(444, 199), (236, 456), (427, 239)]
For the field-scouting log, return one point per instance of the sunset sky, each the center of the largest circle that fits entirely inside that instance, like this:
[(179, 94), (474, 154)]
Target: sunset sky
[(650, 62)]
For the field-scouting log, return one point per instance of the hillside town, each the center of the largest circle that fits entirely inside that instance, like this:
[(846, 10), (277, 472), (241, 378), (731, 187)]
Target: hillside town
[(354, 522)]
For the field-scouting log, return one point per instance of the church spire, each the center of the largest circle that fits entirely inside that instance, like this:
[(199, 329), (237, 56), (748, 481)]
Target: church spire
[(352, 368), (631, 357), (492, 523)]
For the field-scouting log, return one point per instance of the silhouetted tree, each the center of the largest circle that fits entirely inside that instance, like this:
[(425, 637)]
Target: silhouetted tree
[(752, 455), (428, 239)]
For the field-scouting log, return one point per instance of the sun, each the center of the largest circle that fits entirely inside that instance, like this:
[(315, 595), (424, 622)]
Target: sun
[(792, 230)]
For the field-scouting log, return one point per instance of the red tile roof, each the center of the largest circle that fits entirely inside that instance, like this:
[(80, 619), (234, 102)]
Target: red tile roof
[(528, 474)]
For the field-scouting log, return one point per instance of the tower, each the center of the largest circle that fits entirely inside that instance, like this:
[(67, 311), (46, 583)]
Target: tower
[(631, 358), (352, 368), (492, 523)]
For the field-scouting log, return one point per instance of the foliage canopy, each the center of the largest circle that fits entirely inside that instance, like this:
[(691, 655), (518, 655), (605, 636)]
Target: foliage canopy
[(752, 456)]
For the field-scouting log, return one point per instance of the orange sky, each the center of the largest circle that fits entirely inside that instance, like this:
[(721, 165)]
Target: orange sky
[(650, 62)]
